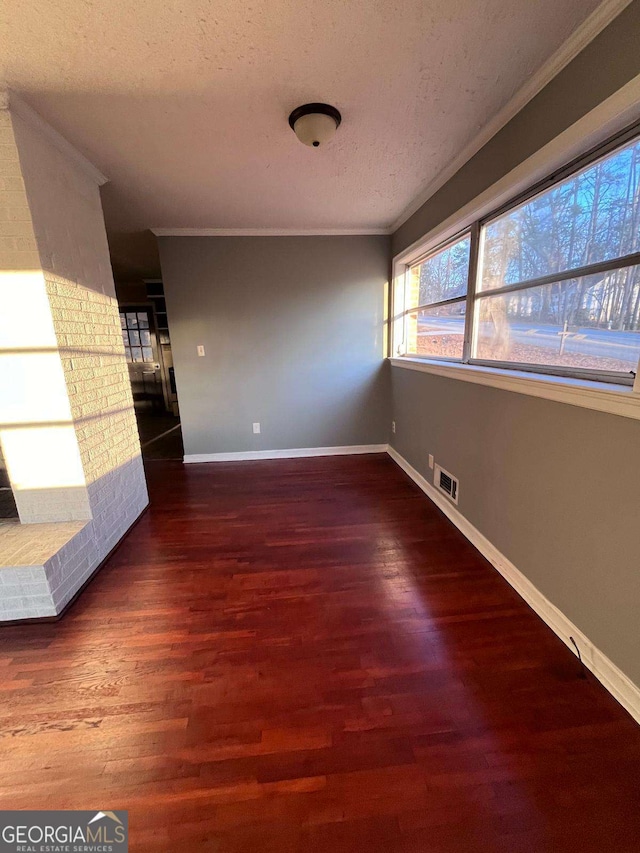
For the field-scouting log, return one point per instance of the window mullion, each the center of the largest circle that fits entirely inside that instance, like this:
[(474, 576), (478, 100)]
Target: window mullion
[(474, 268), (621, 262), (426, 305)]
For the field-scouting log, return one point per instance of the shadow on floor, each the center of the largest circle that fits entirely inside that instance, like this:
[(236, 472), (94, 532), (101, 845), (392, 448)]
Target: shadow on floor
[(160, 435)]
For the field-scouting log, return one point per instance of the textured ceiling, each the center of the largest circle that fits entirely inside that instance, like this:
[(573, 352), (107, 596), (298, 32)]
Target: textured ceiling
[(184, 105)]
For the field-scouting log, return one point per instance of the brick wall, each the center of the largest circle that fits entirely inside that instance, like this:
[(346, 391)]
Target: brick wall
[(65, 217), (35, 424), (18, 249)]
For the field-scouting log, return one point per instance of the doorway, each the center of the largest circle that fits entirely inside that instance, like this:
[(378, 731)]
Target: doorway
[(8, 509), (147, 347)]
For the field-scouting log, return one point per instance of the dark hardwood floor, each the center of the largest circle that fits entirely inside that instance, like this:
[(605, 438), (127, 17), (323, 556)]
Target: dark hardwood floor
[(304, 655), (160, 435)]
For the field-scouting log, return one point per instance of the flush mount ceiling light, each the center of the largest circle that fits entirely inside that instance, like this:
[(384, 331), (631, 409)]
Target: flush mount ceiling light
[(315, 124)]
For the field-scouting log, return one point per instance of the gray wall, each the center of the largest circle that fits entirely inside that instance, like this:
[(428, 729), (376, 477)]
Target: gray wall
[(293, 332), (554, 487)]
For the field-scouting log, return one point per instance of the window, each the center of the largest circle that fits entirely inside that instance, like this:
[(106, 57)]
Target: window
[(435, 296), (556, 284), (136, 336)]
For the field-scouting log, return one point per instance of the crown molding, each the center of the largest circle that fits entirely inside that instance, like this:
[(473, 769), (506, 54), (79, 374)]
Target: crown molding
[(9, 100), (270, 232), (580, 38)]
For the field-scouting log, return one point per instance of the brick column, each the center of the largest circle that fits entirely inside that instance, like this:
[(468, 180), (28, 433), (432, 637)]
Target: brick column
[(67, 423), (36, 428)]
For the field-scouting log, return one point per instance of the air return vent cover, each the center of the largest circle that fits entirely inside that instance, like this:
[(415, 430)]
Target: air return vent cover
[(446, 482)]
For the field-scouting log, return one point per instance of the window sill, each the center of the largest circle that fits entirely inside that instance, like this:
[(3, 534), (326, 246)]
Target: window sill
[(614, 399)]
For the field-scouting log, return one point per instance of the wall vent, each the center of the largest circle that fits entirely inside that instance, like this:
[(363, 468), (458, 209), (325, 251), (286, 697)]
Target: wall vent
[(446, 482)]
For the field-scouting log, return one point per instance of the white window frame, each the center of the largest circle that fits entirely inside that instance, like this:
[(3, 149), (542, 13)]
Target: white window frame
[(400, 318), (601, 131)]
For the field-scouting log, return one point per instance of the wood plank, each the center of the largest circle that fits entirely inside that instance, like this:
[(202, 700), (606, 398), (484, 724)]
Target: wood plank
[(304, 655)]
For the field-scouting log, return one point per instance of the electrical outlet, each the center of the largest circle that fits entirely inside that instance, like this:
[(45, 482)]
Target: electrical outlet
[(200, 350), (256, 428), (430, 461), (393, 426)]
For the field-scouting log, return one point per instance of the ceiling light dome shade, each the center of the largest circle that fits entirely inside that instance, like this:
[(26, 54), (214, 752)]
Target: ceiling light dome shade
[(315, 124)]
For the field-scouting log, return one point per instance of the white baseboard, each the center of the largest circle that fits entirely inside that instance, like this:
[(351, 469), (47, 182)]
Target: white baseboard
[(616, 682), (292, 453)]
